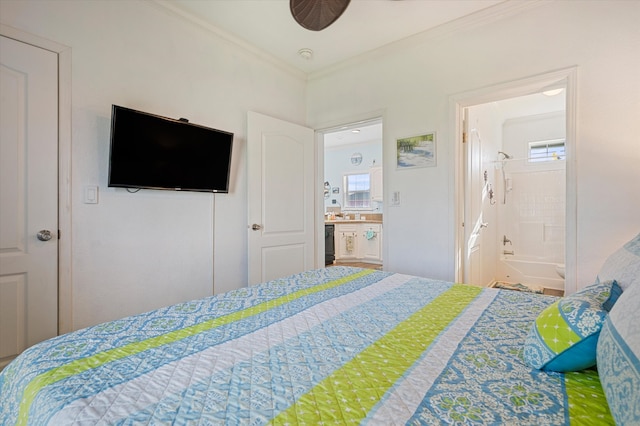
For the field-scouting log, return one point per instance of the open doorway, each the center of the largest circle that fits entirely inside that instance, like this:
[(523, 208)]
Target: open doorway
[(516, 197), (352, 203)]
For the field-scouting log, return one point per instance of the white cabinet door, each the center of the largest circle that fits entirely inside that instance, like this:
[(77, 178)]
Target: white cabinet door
[(375, 175), (346, 239), (370, 244)]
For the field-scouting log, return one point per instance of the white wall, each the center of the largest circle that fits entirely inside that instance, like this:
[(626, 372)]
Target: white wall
[(135, 252), (413, 87)]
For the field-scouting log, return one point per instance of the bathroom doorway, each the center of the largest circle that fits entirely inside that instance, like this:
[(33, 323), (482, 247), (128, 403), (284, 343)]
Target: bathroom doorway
[(514, 171)]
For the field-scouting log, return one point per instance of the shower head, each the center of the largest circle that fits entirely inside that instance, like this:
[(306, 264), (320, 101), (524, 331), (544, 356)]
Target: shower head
[(506, 156)]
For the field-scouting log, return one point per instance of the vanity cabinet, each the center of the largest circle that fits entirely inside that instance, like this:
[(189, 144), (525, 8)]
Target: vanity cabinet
[(346, 241), (370, 242), (359, 242)]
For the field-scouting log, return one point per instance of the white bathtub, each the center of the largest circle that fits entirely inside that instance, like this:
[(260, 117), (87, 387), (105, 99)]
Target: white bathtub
[(529, 271)]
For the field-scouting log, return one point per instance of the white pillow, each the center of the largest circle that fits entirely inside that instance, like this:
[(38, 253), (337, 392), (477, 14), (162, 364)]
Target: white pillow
[(623, 265)]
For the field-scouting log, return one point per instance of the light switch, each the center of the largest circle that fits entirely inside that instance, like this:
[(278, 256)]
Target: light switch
[(395, 198), (91, 194)]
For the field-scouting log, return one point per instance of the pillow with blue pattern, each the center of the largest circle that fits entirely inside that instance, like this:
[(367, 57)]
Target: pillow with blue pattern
[(619, 358), (565, 335)]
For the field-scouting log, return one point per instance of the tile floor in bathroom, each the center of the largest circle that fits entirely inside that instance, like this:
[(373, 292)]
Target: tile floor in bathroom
[(357, 265)]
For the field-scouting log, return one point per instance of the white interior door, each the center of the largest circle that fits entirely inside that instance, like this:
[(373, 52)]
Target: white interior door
[(28, 196), (474, 190), (281, 186)]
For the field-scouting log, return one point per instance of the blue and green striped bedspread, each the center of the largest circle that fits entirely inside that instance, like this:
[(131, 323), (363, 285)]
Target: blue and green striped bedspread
[(330, 346)]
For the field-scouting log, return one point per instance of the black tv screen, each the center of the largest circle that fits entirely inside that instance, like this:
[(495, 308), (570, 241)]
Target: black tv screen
[(154, 152)]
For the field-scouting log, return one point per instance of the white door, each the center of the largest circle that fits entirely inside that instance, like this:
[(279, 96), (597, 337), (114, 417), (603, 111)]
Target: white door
[(28, 196), (281, 198), (475, 188)]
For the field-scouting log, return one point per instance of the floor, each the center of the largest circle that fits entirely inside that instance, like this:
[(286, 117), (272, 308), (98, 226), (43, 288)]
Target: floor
[(358, 265), (548, 291), (553, 292), (544, 290)]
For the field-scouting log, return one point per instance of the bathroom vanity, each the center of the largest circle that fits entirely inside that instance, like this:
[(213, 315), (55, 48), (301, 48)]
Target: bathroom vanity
[(358, 240)]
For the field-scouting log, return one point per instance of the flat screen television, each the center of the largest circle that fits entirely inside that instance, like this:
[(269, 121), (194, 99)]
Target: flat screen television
[(153, 152)]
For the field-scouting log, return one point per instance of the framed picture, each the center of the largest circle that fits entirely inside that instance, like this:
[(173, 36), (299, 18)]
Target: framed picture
[(416, 151)]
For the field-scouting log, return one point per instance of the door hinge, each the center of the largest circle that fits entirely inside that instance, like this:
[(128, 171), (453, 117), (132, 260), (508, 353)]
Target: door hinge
[(464, 128), (59, 234)]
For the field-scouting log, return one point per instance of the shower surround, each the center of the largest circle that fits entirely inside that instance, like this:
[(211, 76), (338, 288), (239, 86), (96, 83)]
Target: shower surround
[(533, 222)]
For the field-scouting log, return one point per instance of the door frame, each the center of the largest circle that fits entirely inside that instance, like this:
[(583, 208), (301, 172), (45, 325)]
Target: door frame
[(65, 317), (373, 116), (507, 90)]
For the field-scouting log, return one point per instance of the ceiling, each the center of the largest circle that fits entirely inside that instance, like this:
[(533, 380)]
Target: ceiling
[(268, 26), (358, 133)]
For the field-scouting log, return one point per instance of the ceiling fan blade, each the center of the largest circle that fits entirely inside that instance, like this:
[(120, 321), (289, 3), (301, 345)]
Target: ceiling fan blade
[(316, 15)]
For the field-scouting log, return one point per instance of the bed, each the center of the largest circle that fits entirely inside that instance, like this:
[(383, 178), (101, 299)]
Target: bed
[(336, 345)]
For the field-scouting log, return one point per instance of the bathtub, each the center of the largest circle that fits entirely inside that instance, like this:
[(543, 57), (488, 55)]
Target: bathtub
[(529, 271)]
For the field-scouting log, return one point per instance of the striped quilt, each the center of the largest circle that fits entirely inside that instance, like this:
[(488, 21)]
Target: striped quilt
[(330, 346)]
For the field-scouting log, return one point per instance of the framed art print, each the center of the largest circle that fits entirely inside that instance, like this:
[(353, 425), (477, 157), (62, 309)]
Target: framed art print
[(416, 151)]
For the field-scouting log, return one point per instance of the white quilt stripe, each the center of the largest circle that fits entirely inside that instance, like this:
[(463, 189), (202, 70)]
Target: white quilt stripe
[(118, 402), (407, 394)]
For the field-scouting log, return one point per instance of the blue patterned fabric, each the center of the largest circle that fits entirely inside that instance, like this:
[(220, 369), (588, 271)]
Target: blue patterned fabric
[(619, 358), (623, 265), (253, 356), (488, 370), (565, 335)]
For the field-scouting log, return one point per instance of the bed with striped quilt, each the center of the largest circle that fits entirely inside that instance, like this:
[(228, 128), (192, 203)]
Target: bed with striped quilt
[(335, 345)]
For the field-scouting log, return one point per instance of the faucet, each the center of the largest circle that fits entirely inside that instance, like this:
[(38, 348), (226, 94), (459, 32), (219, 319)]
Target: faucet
[(505, 240), (508, 252)]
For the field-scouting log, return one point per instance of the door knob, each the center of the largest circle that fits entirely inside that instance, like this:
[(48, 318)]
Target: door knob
[(44, 235), (256, 227)]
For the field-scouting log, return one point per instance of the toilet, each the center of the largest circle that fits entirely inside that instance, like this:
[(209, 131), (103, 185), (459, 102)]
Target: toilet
[(560, 269)]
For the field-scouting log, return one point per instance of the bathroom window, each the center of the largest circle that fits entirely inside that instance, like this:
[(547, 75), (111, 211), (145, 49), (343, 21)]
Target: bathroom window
[(357, 191), (550, 150)]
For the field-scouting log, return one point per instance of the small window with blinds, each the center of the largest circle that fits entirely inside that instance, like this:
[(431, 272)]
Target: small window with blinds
[(550, 150), (357, 191)]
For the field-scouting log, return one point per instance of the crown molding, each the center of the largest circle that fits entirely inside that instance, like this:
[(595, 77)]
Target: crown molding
[(483, 17), (230, 38), (480, 18)]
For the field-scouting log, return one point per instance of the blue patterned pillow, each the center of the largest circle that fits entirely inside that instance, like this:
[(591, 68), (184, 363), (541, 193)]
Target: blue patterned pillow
[(623, 265), (619, 358), (565, 335)]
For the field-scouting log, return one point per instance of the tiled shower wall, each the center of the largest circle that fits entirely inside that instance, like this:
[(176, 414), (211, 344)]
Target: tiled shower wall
[(534, 213), (533, 217)]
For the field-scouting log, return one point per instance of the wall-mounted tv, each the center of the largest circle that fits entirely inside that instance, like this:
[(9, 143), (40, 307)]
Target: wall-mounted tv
[(153, 152)]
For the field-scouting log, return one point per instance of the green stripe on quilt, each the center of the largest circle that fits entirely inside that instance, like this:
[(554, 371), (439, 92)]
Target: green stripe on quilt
[(586, 402), (349, 393), (94, 361)]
